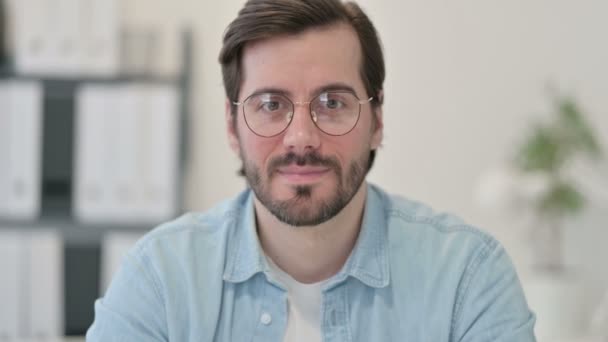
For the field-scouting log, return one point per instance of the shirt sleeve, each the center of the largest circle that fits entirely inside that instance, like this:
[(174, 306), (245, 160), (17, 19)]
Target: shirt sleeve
[(491, 304), (132, 309)]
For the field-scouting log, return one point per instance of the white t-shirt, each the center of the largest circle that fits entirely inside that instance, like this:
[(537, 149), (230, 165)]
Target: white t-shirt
[(303, 307)]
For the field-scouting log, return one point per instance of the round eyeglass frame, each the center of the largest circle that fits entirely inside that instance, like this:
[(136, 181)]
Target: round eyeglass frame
[(310, 112)]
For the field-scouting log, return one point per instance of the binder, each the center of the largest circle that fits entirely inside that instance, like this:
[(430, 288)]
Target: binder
[(26, 132), (127, 153), (45, 284), (66, 37), (100, 37), (33, 50), (160, 151), (63, 38), (125, 148), (5, 124), (11, 296), (21, 151), (96, 108), (152, 150)]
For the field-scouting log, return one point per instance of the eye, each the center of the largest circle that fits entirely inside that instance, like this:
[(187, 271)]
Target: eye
[(333, 104), (270, 106), (268, 103)]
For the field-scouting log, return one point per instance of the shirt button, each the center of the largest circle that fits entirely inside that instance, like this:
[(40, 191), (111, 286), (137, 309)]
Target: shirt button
[(266, 318)]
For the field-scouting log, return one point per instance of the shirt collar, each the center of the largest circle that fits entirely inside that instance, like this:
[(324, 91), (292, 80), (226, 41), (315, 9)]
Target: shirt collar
[(244, 255), (368, 261)]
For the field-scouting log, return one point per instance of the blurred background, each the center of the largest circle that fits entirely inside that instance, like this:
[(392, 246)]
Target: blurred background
[(111, 121)]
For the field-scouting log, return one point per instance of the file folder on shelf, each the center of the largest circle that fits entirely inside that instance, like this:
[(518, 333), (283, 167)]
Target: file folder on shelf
[(66, 37), (126, 154), (96, 107), (5, 126), (31, 290), (125, 189), (44, 250), (11, 296), (65, 51), (100, 36), (33, 49), (158, 150), (20, 154)]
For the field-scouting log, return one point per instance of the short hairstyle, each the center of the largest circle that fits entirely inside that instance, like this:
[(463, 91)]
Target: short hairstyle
[(264, 19)]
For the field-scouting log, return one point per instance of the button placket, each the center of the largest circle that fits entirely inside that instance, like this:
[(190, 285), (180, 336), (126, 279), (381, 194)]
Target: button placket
[(335, 321), (271, 317)]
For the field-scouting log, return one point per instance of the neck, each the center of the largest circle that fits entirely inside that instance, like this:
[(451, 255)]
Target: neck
[(312, 254)]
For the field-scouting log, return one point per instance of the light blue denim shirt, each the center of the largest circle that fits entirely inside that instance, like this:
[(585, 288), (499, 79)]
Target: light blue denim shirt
[(414, 275)]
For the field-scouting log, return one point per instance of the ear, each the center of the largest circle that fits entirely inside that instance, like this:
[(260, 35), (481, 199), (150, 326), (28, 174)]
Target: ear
[(378, 133), (233, 137)]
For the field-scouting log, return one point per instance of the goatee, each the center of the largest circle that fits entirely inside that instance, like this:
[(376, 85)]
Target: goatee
[(303, 209)]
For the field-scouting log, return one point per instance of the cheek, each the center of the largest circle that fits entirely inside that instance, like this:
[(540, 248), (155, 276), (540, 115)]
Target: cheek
[(257, 149), (345, 149), (359, 138)]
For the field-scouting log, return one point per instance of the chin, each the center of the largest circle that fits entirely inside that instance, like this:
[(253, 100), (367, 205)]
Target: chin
[(304, 191)]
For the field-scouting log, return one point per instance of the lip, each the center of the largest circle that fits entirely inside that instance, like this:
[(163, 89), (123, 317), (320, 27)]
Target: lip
[(302, 174)]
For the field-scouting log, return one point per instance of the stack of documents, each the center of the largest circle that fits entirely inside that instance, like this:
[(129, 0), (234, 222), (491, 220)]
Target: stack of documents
[(126, 153), (20, 146), (66, 37), (31, 290)]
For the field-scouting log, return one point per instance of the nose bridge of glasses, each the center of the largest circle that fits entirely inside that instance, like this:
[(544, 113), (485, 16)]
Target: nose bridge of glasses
[(301, 131), (305, 107), (302, 103)]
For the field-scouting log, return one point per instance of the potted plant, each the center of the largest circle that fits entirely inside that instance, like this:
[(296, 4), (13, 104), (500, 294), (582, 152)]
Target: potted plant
[(547, 155), (541, 188)]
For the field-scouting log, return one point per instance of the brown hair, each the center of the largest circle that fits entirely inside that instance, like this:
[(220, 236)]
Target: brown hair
[(263, 19)]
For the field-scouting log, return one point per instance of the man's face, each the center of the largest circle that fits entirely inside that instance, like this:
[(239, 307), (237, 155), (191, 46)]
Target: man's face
[(304, 176)]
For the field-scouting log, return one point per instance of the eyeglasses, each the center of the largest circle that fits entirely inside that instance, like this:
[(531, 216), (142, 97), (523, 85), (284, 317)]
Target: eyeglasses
[(334, 113)]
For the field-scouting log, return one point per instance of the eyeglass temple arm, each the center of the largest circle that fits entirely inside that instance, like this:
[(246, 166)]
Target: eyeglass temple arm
[(366, 101)]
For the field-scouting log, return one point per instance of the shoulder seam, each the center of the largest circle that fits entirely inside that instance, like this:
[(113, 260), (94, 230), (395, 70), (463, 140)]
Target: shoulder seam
[(434, 222), (469, 273), (177, 226)]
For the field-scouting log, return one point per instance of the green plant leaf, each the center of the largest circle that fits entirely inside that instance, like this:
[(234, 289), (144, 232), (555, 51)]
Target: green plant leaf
[(577, 134), (541, 152), (561, 200), (552, 145)]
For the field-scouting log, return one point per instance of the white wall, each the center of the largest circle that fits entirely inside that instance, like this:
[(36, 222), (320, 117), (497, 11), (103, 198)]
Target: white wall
[(464, 81)]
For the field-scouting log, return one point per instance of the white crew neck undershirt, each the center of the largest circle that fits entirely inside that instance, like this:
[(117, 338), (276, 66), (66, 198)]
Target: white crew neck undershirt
[(303, 307)]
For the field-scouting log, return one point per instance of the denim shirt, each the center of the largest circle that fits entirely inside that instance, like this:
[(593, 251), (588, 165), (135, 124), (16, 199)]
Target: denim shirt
[(413, 275)]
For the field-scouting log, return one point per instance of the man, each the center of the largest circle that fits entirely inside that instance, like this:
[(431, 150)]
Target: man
[(311, 252)]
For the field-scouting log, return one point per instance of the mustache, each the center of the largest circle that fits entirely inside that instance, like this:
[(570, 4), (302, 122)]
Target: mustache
[(311, 158)]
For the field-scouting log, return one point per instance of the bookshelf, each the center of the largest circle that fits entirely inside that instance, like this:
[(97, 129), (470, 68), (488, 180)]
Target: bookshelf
[(82, 241)]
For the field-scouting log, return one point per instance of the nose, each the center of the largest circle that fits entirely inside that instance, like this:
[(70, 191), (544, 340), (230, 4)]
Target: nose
[(302, 135)]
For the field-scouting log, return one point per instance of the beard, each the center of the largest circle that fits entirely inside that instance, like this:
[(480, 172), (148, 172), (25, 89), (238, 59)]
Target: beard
[(302, 208)]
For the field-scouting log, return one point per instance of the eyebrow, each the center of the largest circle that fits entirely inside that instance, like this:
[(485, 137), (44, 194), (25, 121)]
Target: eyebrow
[(337, 86), (334, 87)]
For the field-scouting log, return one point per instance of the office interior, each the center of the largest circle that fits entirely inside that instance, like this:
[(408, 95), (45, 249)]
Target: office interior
[(112, 121)]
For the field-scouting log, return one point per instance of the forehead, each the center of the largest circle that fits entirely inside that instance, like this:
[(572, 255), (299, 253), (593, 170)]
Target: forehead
[(303, 62)]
